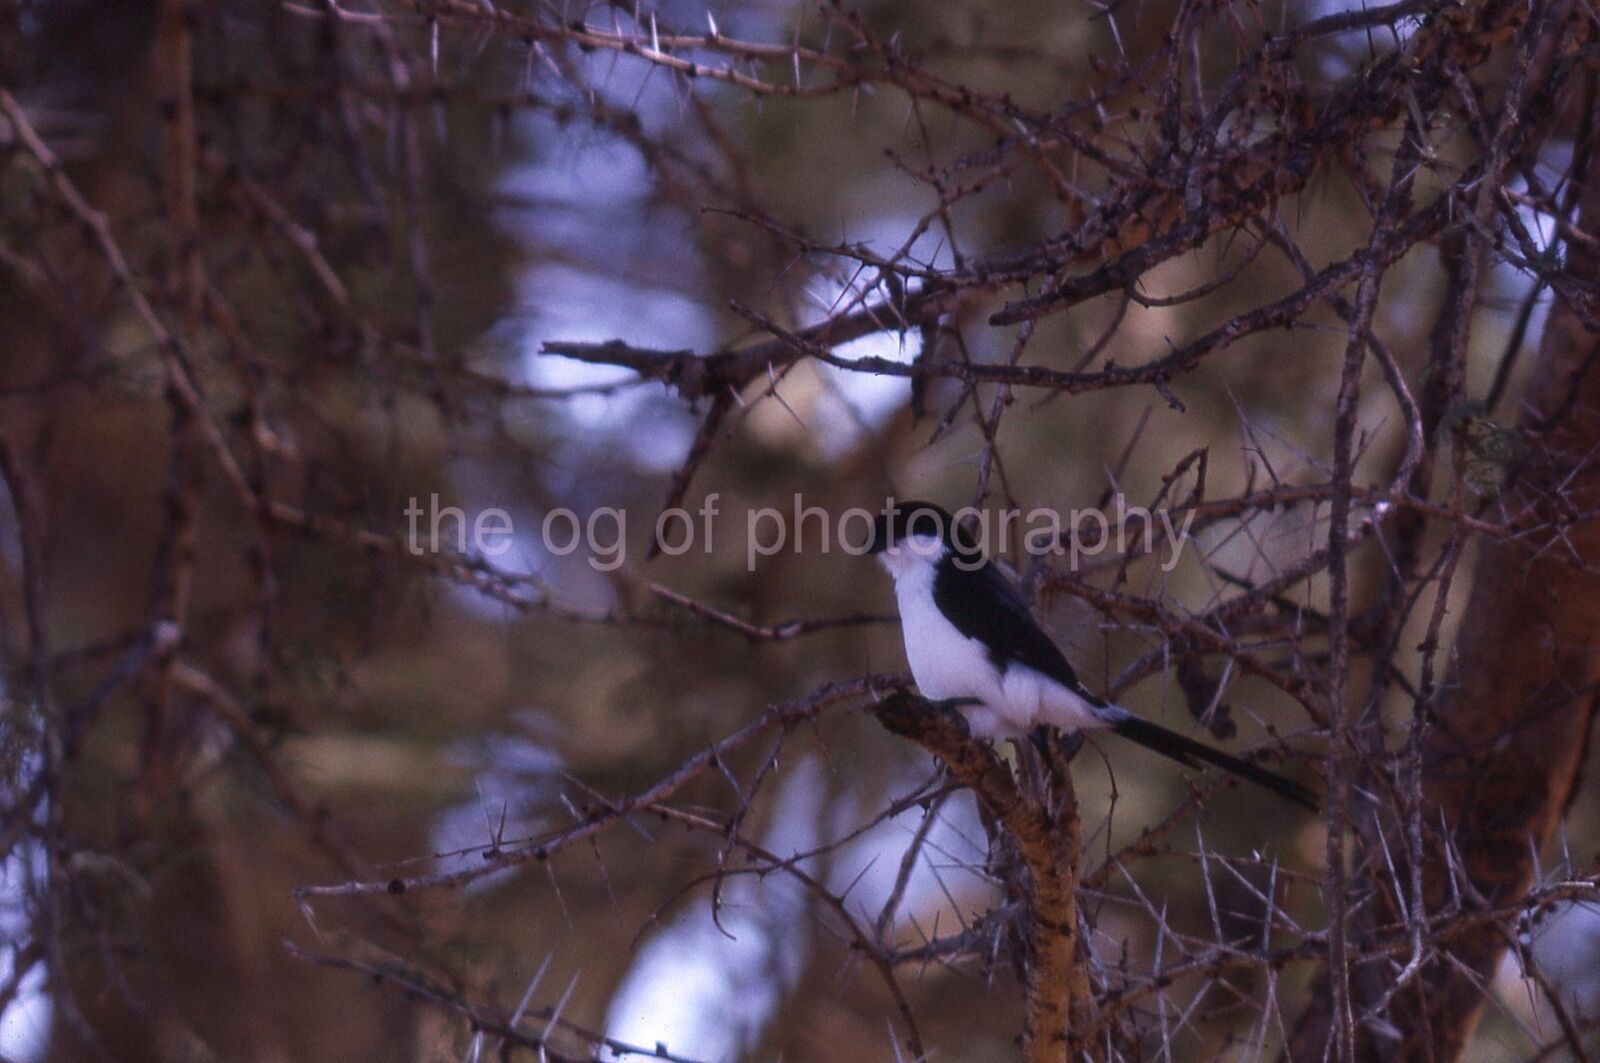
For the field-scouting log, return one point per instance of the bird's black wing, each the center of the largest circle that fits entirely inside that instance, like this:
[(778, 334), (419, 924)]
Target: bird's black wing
[(983, 605)]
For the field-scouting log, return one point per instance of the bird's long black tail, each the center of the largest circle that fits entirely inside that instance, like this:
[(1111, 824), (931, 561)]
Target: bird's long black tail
[(1190, 753)]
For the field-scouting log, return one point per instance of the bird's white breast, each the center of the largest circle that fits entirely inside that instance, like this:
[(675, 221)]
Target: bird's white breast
[(944, 662), (947, 664)]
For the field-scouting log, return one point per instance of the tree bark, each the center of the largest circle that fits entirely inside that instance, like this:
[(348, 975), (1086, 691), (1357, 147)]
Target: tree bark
[(1503, 748), (1502, 758)]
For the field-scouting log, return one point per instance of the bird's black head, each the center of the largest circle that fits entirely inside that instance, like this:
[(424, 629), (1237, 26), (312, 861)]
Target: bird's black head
[(901, 519)]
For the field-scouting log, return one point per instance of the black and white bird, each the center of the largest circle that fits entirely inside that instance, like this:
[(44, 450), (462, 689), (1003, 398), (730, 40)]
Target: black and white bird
[(970, 640)]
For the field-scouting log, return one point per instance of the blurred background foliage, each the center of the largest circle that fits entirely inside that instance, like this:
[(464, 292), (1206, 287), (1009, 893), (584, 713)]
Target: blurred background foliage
[(473, 195)]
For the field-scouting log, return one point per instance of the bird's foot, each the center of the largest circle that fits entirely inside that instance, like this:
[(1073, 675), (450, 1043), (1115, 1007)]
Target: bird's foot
[(911, 715), (953, 707)]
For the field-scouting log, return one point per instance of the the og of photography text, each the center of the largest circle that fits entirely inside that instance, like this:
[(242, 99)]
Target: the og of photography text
[(602, 533)]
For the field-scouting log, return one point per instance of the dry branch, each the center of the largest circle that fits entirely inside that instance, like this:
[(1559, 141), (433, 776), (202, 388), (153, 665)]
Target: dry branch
[(1043, 823)]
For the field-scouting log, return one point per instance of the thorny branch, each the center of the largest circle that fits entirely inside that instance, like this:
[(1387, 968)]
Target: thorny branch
[(1044, 826), (1193, 196)]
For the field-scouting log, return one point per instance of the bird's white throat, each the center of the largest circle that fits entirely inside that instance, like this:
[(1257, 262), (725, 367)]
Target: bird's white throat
[(914, 555)]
